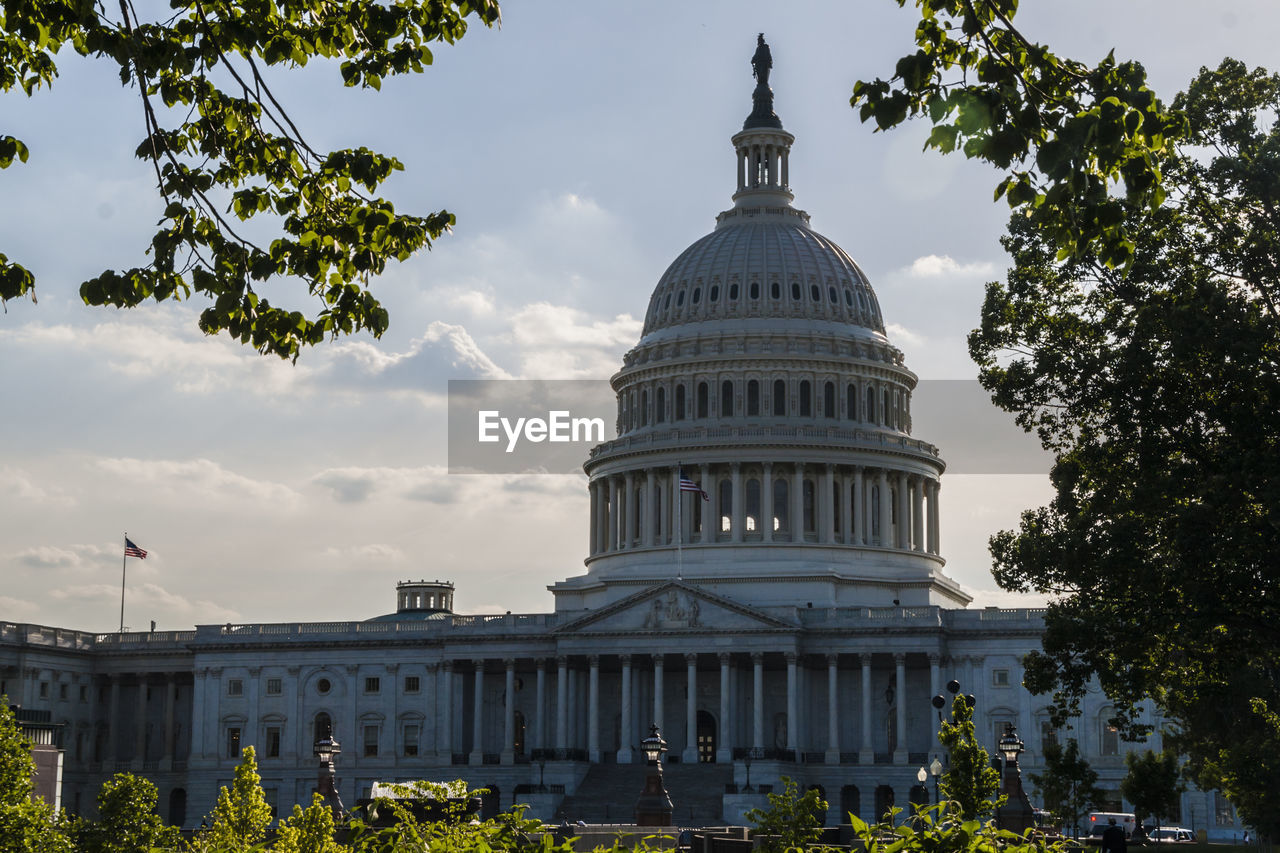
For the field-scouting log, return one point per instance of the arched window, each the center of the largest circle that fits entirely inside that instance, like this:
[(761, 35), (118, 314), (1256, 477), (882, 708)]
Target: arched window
[(726, 506), (851, 402), (871, 404), (702, 399), (733, 292), (715, 293), (755, 290), (779, 398), (829, 400), (775, 290), (656, 515), (726, 399), (323, 726), (680, 402), (806, 399), (753, 398), (679, 298), (815, 293), (781, 506), (850, 800), (753, 505), (795, 292), (810, 508), (660, 410), (884, 407), (831, 295), (697, 295)]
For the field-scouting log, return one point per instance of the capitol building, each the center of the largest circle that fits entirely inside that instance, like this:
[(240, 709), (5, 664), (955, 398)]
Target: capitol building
[(764, 581)]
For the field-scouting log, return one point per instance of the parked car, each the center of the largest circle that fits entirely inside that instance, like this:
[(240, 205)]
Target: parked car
[(1170, 834)]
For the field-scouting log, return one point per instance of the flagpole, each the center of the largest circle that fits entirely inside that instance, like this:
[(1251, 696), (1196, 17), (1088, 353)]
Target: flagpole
[(124, 562)]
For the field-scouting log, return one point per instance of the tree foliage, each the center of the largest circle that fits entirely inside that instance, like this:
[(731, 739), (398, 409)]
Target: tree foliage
[(241, 816), (26, 825), (970, 784), (308, 830), (1153, 784), (225, 152), (127, 821), (1068, 786), (792, 820), (1137, 333)]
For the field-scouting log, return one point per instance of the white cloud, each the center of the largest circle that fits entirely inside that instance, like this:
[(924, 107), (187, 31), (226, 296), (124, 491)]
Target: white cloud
[(16, 483), (200, 477), (900, 334), (146, 598), (16, 609), (560, 342), (67, 557), (474, 302), (374, 552), (936, 266)]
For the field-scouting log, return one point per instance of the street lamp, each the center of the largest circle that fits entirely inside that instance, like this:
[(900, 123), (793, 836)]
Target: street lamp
[(746, 789), (936, 769), (653, 808), (1016, 815), (326, 785), (921, 776)]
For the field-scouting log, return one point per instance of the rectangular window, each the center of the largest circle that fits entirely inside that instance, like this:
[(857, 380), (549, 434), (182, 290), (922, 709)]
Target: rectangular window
[(84, 693), (411, 684), (273, 741), (235, 687), (272, 796), (999, 678), (372, 684), (370, 741), (273, 687), (1223, 812), (1109, 742), (62, 692), (233, 742), (44, 690), (1048, 735), (411, 739)]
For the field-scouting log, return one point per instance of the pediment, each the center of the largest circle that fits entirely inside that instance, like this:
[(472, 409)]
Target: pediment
[(673, 606)]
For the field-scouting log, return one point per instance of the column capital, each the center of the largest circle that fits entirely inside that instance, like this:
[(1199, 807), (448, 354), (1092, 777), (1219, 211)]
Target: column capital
[(593, 661), (658, 659), (510, 664), (562, 661), (724, 658), (540, 664), (448, 665), (352, 668), (831, 467), (214, 672), (865, 659), (625, 659), (934, 658), (691, 658), (833, 659), (478, 663), (791, 657), (899, 658), (432, 667), (768, 466), (757, 658), (735, 467)]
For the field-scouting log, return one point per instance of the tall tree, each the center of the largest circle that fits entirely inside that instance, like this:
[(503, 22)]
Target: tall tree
[(224, 151), (970, 784), (1137, 334), (127, 821), (241, 815), (1068, 786), (1153, 784)]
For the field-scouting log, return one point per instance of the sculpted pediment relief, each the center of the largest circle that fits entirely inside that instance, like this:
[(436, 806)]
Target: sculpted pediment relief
[(672, 607)]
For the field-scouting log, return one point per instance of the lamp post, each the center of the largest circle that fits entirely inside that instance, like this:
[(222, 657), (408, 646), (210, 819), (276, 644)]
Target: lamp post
[(326, 785), (542, 773), (921, 776), (936, 769), (653, 808), (746, 789), (1016, 814)]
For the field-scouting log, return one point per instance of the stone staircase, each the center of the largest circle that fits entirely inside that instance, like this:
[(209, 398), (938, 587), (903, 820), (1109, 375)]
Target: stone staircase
[(609, 791)]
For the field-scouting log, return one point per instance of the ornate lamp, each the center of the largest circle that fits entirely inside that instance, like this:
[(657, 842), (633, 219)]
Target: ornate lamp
[(935, 769), (1016, 815), (653, 808), (326, 785)]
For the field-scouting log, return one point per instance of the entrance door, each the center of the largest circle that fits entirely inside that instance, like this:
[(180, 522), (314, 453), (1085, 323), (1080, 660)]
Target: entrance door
[(706, 738)]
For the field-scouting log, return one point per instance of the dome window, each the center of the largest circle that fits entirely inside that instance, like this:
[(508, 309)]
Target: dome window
[(726, 399), (871, 404), (831, 294), (697, 295), (806, 399), (775, 290), (815, 293), (702, 399), (666, 303), (829, 400), (733, 292), (715, 293), (679, 299), (851, 404), (753, 398), (848, 298), (660, 409), (795, 292), (680, 395), (755, 290), (779, 398)]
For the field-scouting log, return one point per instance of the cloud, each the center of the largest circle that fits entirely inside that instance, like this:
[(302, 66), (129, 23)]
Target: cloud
[(560, 342), (374, 552), (900, 334), (936, 266), (147, 599), (17, 608), (472, 301), (357, 485), (202, 477), (68, 557), (15, 483)]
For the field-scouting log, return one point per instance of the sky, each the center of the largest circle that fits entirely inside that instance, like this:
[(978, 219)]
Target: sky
[(582, 146)]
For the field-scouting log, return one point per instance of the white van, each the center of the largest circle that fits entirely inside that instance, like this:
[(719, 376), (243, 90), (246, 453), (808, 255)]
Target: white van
[(1099, 821)]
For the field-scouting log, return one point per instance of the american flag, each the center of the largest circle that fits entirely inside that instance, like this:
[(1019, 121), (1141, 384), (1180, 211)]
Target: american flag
[(687, 485), (131, 550)]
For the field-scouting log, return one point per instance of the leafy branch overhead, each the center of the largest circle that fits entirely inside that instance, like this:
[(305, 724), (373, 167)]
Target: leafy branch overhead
[(231, 164), (1080, 145)]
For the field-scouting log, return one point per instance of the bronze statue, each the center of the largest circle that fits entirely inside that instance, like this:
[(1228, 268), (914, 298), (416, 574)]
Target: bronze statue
[(761, 61), (762, 114)]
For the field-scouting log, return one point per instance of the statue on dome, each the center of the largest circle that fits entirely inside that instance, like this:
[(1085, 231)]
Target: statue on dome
[(761, 62)]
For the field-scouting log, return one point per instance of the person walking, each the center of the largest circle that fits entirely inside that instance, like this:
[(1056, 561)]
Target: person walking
[(1113, 838)]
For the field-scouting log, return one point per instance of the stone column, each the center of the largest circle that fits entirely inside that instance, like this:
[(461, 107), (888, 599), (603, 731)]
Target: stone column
[(445, 737), (886, 511), (797, 508), (629, 541), (766, 503), (593, 710), (793, 703), (624, 512), (867, 755), (917, 514), (612, 539), (509, 715), (252, 733), (628, 729), (213, 701), (170, 687), (827, 500), (900, 752), (846, 512), (477, 721), (664, 515), (593, 536), (646, 512), (540, 721), (657, 691), (903, 538), (575, 709), (757, 703), (739, 510), (935, 677), (140, 733), (562, 702), (691, 711), (934, 528), (602, 518), (833, 710), (724, 749), (715, 510), (859, 527), (197, 713), (114, 723)]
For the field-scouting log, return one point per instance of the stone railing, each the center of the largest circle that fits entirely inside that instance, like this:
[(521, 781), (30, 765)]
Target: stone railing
[(453, 624), (873, 439)]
